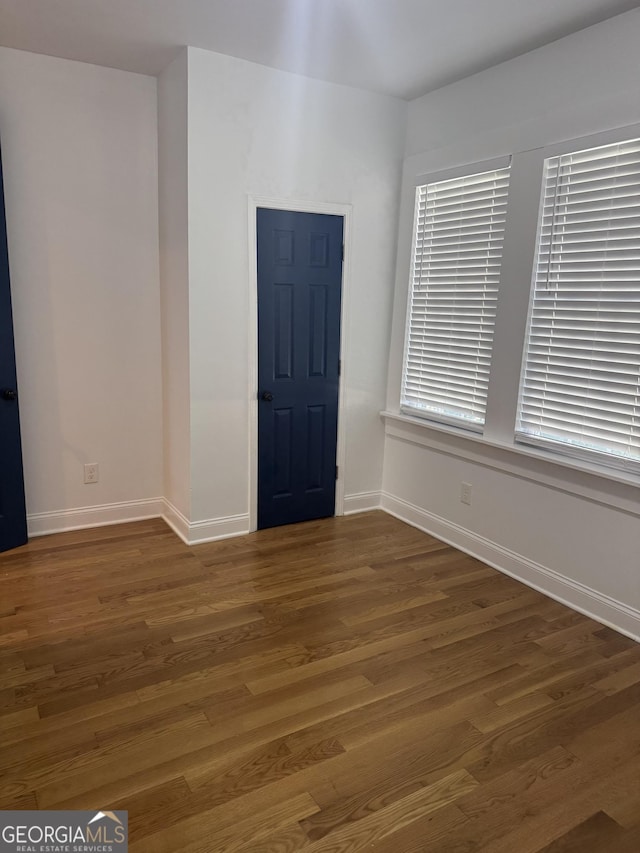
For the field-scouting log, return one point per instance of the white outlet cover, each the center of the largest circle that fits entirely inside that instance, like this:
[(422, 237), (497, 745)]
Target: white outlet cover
[(91, 473)]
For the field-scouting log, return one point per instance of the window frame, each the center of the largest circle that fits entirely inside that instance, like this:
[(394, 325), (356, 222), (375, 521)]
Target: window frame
[(464, 170), (597, 481), (594, 461)]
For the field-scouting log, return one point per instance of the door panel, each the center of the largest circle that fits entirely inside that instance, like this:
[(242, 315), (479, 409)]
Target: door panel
[(13, 523), (299, 298), (316, 441), (318, 330)]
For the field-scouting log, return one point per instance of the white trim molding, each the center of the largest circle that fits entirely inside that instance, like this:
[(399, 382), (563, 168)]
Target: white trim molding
[(213, 529), (191, 532), (178, 522), (590, 602), (361, 502), (300, 206), (198, 532), (44, 523)]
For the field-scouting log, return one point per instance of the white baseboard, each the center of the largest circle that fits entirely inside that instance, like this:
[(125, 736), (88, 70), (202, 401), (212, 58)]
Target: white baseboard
[(361, 502), (218, 528), (192, 533), (43, 523), (198, 532), (176, 520), (574, 594)]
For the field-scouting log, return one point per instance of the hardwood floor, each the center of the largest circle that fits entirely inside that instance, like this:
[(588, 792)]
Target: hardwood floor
[(344, 685)]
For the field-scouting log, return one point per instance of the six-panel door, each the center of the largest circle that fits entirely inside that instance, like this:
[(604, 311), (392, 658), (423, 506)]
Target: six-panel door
[(299, 293)]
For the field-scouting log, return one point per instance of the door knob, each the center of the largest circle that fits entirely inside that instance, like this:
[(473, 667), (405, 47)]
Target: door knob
[(267, 396), (9, 394)]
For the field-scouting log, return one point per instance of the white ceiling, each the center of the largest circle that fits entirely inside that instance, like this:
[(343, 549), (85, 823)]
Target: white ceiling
[(399, 47)]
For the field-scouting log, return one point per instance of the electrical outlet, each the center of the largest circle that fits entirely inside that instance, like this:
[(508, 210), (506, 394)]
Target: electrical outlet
[(465, 493), (91, 472)]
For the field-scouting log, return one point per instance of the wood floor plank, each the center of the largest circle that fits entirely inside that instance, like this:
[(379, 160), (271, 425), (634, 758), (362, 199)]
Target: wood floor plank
[(501, 715), (553, 818), (210, 833), (261, 768), (376, 826), (339, 685), (598, 832), (427, 834), (616, 681)]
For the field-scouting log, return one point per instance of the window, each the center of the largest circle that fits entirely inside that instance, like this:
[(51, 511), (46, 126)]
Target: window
[(580, 387), (458, 236)]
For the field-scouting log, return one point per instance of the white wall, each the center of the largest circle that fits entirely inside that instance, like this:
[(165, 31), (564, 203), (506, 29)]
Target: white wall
[(80, 168), (174, 282), (112, 344), (574, 533), (257, 131)]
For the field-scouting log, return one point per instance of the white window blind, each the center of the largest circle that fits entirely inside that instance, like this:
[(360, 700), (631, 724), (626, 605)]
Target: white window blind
[(580, 388), (458, 236)]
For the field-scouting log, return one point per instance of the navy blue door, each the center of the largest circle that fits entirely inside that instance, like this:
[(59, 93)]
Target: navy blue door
[(299, 288), (13, 522)]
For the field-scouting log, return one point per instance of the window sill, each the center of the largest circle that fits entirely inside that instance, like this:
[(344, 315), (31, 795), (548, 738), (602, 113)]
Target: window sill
[(593, 482)]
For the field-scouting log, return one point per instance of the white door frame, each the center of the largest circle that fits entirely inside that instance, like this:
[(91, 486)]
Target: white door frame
[(343, 210)]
